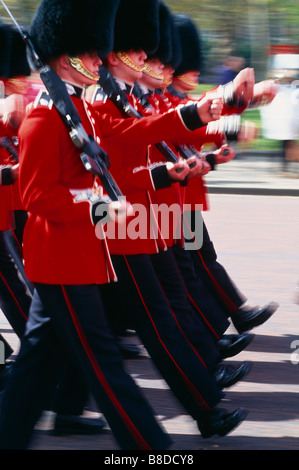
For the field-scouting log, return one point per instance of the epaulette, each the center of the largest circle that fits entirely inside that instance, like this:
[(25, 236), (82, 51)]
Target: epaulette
[(43, 99)]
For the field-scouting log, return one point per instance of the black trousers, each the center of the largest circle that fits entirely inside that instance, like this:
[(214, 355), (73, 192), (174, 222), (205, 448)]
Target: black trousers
[(169, 282), (209, 311), (70, 322), (149, 310), (213, 274), (174, 287), (15, 300), (20, 219)]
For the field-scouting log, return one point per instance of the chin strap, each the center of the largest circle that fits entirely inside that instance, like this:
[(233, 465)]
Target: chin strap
[(186, 79), (78, 65), (123, 56), (148, 70), (166, 82)]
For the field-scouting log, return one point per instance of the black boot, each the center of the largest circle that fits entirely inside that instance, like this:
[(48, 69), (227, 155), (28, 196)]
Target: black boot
[(71, 424), (219, 422), (5, 370), (247, 318), (227, 375), (231, 345)]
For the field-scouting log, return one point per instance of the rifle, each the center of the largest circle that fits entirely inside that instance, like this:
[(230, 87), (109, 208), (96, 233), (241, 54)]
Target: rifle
[(184, 150), (93, 157), (7, 144)]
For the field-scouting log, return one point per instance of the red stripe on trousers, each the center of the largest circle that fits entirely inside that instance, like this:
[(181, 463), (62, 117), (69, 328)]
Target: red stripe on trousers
[(131, 427), (14, 297), (17, 243), (202, 314), (229, 303), (183, 333)]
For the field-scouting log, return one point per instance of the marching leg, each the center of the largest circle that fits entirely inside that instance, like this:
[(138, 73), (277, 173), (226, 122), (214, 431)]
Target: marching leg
[(73, 328)]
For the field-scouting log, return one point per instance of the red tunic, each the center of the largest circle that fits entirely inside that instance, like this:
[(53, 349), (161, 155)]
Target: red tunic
[(6, 195), (169, 199), (129, 165), (60, 245), (6, 219), (192, 195), (196, 191), (11, 133)]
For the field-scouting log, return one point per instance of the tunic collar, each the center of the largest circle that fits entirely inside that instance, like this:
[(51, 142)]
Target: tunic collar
[(124, 86), (74, 90)]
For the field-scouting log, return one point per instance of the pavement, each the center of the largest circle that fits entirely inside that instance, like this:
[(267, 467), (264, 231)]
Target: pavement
[(257, 173)]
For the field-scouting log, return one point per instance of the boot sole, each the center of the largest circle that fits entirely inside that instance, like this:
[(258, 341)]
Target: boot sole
[(235, 419), (261, 319), (238, 348), (245, 370)]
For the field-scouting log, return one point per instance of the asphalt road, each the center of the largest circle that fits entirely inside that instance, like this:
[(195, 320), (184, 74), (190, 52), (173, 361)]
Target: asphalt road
[(256, 238)]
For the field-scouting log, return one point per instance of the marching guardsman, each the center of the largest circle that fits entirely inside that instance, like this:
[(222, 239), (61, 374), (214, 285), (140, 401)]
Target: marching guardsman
[(205, 261), (125, 75), (206, 308), (63, 257), (15, 89), (67, 261), (6, 179), (14, 298), (140, 262), (151, 80), (15, 288)]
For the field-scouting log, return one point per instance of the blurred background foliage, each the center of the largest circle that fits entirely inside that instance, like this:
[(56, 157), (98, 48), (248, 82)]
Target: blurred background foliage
[(241, 27), (236, 27)]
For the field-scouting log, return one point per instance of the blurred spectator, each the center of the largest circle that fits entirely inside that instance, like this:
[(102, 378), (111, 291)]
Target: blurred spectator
[(233, 65), (280, 121)]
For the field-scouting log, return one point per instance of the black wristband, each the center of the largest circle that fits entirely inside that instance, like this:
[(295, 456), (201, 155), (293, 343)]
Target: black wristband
[(232, 127), (190, 117), (210, 158), (161, 177), (184, 182), (6, 176), (228, 94), (97, 217), (230, 98)]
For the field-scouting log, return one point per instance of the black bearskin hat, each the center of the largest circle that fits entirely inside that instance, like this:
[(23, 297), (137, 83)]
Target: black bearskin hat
[(176, 47), (137, 25), (4, 50), (190, 45), (164, 49), (19, 65), (73, 27)]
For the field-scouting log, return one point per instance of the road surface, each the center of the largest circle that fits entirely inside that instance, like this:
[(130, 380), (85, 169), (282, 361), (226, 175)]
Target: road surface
[(257, 240)]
